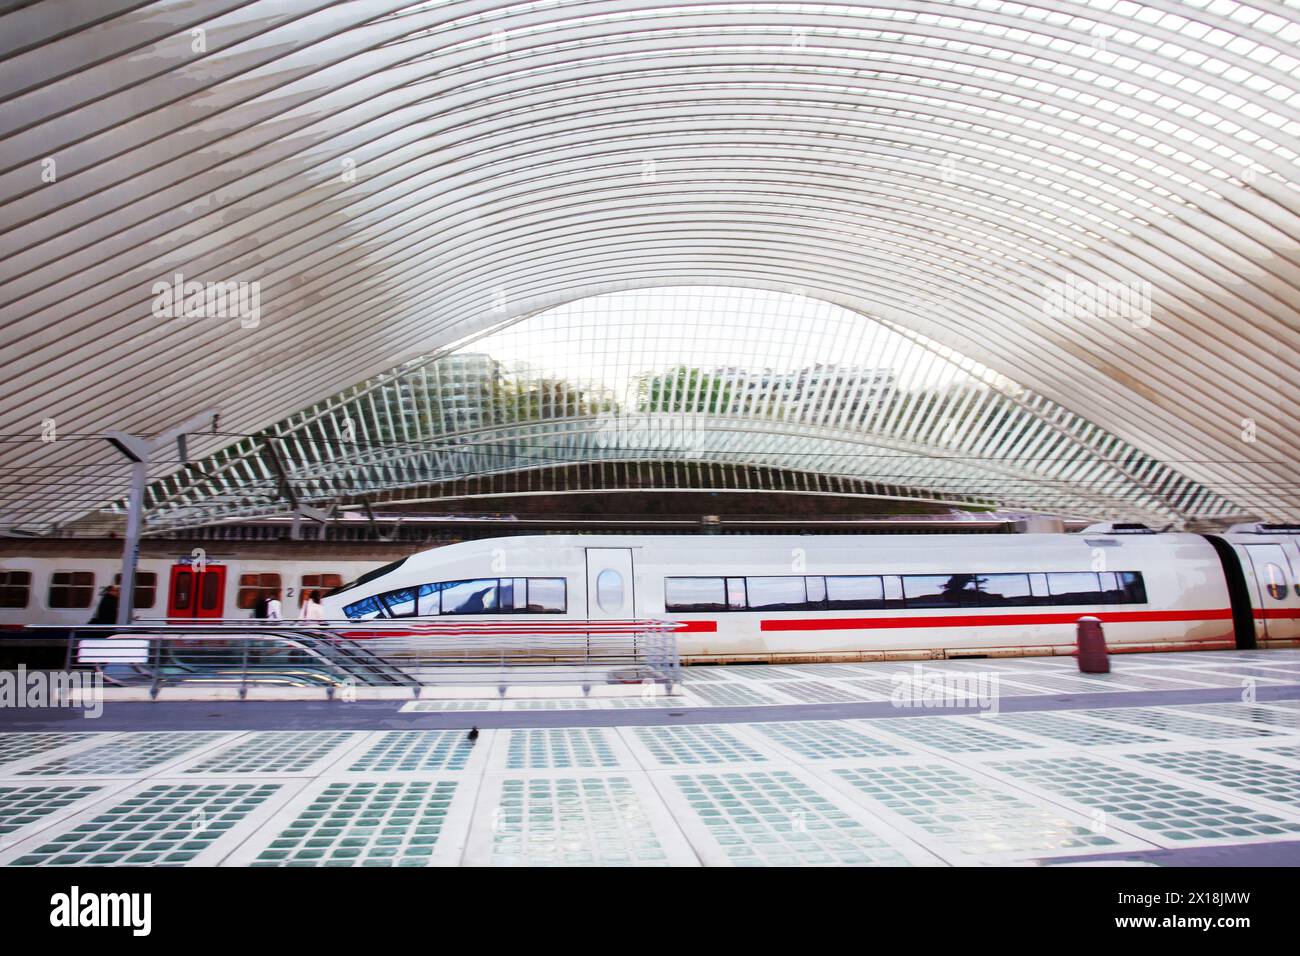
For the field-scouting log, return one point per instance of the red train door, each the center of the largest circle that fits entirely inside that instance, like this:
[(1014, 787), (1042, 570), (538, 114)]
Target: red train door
[(196, 594)]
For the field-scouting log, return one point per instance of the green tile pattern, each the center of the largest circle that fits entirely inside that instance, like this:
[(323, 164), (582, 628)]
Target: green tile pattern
[(20, 806), (1177, 722), (827, 739), (1174, 812), (952, 736), (966, 816), (772, 818), (273, 751), (573, 821), (1258, 778), (131, 754), (562, 748), (165, 825), (695, 744), (20, 746), (416, 751), (365, 824)]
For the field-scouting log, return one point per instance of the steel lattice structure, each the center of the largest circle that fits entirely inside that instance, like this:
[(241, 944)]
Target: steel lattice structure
[(396, 177)]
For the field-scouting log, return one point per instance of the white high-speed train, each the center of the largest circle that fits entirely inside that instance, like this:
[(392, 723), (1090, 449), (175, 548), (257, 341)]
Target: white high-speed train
[(801, 597)]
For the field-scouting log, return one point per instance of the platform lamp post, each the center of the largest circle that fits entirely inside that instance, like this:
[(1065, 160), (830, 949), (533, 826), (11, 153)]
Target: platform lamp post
[(138, 450)]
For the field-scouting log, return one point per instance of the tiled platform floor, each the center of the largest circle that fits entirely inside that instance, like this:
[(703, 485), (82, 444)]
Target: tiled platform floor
[(1138, 779)]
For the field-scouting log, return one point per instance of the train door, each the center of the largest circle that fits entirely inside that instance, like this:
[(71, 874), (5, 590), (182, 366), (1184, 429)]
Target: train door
[(196, 592), (1276, 594), (610, 593)]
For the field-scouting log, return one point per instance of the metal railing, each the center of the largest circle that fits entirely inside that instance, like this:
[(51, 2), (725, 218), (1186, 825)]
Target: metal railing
[(343, 656)]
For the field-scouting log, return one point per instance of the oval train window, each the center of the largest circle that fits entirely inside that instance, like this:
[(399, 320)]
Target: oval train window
[(609, 590), (1276, 586)]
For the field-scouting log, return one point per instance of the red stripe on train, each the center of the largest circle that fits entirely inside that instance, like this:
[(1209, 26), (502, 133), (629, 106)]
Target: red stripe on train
[(988, 620)]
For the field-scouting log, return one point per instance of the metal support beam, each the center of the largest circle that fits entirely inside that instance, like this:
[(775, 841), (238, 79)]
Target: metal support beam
[(138, 450)]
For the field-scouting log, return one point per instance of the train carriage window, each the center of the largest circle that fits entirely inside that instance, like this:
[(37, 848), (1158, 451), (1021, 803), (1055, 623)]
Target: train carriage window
[(15, 588), (71, 589), (940, 590), (146, 588), (1038, 588), (1132, 588), (736, 594), (520, 589), (365, 609), (547, 596), (182, 589), (471, 597), (400, 603), (893, 591), (816, 585), (854, 592), (254, 586), (1005, 590), (695, 594), (780, 593), (1110, 592), (323, 582), (1074, 587)]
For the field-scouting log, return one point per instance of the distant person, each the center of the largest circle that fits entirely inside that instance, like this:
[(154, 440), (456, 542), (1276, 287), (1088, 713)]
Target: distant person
[(273, 609), (312, 612), (259, 607), (106, 613)]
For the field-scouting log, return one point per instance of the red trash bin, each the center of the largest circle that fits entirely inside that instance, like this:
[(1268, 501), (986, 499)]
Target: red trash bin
[(1091, 643)]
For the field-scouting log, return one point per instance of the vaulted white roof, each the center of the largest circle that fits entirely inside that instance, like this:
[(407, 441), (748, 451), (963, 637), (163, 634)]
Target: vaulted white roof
[(1097, 200)]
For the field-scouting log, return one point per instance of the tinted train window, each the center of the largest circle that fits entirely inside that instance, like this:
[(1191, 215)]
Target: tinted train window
[(1005, 590), (364, 609), (15, 588), (146, 588), (695, 594), (854, 592), (940, 590), (470, 597), (778, 594), (547, 596), (253, 586), (400, 603), (1075, 587), (69, 589), (1132, 589)]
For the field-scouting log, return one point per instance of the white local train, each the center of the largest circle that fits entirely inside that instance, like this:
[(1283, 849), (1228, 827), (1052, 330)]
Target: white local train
[(749, 597), (802, 597)]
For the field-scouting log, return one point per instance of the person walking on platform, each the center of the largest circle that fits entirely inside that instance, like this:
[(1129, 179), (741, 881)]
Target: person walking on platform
[(273, 609), (311, 612), (106, 613)]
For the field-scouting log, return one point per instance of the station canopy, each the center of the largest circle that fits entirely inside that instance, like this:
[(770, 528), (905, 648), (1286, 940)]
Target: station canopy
[(984, 253)]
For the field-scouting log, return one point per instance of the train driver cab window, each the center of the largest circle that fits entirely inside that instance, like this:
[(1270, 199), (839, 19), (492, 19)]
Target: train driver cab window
[(146, 588), (400, 603), (609, 590), (15, 588), (253, 586), (71, 589), (364, 610), (695, 594)]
